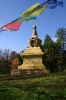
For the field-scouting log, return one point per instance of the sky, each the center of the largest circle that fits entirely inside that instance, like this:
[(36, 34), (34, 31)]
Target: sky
[(47, 23)]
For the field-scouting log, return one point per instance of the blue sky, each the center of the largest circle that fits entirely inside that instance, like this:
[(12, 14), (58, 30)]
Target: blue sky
[(47, 23)]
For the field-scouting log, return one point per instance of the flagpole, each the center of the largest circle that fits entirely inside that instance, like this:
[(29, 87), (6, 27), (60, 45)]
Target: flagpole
[(45, 2)]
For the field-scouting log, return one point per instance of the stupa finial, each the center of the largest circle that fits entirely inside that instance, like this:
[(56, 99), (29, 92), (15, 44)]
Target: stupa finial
[(34, 31)]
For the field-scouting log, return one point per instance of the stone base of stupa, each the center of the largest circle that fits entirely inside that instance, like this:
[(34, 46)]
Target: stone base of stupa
[(28, 72), (32, 59)]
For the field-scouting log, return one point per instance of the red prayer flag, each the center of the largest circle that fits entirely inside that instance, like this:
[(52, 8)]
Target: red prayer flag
[(13, 26)]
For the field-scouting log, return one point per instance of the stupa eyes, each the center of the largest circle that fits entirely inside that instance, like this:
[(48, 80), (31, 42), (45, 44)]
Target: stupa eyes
[(32, 43)]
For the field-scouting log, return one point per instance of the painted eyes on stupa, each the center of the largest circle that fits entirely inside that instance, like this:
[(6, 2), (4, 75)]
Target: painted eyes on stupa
[(32, 43)]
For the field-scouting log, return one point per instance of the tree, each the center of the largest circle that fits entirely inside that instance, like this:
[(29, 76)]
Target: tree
[(20, 58), (6, 53), (5, 61), (15, 63), (61, 41), (9, 59), (61, 38), (50, 51), (16, 59), (13, 55)]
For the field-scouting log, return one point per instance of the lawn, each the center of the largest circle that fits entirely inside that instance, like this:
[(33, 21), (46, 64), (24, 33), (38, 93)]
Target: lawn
[(46, 87)]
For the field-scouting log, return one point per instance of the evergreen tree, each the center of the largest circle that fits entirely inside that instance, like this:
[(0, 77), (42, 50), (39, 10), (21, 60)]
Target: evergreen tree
[(61, 41), (50, 51)]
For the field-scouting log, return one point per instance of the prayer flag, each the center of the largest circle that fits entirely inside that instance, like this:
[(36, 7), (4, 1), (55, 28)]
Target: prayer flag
[(1, 30), (14, 25), (24, 19), (35, 10), (53, 3)]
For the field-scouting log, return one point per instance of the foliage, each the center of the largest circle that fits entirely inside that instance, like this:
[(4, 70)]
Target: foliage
[(13, 55), (61, 41), (54, 52), (61, 38), (5, 61), (50, 52), (8, 59), (20, 58), (15, 62)]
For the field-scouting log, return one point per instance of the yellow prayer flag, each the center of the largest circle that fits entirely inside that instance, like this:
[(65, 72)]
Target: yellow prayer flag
[(35, 10), (39, 11)]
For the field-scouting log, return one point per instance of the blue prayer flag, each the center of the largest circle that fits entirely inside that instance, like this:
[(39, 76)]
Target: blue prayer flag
[(53, 3), (1, 30)]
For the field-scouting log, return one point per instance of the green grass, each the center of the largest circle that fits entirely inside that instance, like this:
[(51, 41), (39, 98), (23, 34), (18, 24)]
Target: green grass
[(47, 87)]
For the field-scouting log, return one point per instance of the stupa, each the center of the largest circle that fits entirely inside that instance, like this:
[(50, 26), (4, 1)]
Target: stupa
[(32, 56)]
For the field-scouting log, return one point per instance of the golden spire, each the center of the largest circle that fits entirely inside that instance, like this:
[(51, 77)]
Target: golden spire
[(34, 35)]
